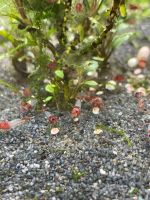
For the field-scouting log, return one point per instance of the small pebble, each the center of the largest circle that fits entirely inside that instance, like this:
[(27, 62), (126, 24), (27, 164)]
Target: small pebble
[(35, 165), (54, 131), (137, 71), (103, 172), (91, 89), (76, 119), (143, 53), (132, 62), (99, 92), (141, 76), (95, 110), (24, 170)]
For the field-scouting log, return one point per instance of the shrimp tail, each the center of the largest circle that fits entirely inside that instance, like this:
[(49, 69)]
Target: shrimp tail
[(16, 122)]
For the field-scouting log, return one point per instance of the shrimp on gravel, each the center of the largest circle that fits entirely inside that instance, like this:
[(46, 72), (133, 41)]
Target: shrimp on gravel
[(7, 125)]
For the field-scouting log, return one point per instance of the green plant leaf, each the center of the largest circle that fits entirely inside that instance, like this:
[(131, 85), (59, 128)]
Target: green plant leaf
[(121, 38), (47, 99), (123, 11), (7, 36), (86, 4), (7, 7), (81, 31), (9, 86), (12, 51), (59, 74), (91, 83), (91, 65), (100, 59), (121, 132), (50, 88)]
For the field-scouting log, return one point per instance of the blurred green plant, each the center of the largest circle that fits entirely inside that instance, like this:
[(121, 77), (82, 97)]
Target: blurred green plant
[(138, 9), (115, 131), (76, 174), (57, 44)]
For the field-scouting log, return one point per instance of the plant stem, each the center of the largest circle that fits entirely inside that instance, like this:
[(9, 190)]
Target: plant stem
[(20, 7)]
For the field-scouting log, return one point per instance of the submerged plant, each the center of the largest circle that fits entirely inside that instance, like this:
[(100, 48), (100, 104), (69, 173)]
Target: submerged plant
[(76, 174), (60, 45), (115, 131)]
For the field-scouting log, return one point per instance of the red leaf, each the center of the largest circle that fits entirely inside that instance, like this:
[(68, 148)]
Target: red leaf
[(78, 7), (75, 112), (142, 64), (97, 102), (52, 65), (133, 7), (53, 119), (119, 78)]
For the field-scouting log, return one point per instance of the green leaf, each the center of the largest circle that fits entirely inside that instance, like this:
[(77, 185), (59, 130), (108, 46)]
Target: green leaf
[(7, 7), (100, 59), (50, 88), (91, 65), (59, 74), (7, 36), (47, 99), (9, 86), (51, 31), (123, 11), (86, 4), (121, 38), (12, 51), (91, 83), (81, 31)]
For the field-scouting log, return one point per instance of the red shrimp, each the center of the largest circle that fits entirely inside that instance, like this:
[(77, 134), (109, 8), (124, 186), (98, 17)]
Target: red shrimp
[(7, 125)]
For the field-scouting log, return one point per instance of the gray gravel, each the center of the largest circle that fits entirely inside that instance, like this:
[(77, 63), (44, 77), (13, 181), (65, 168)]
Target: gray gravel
[(76, 164)]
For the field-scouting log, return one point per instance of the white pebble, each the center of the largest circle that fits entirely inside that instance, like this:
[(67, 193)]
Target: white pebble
[(137, 71), (24, 170), (35, 165), (102, 172), (132, 62), (95, 185), (95, 110), (10, 188), (143, 53), (76, 119), (42, 191), (91, 89), (54, 131), (115, 152), (47, 165), (99, 93), (46, 162), (141, 76)]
